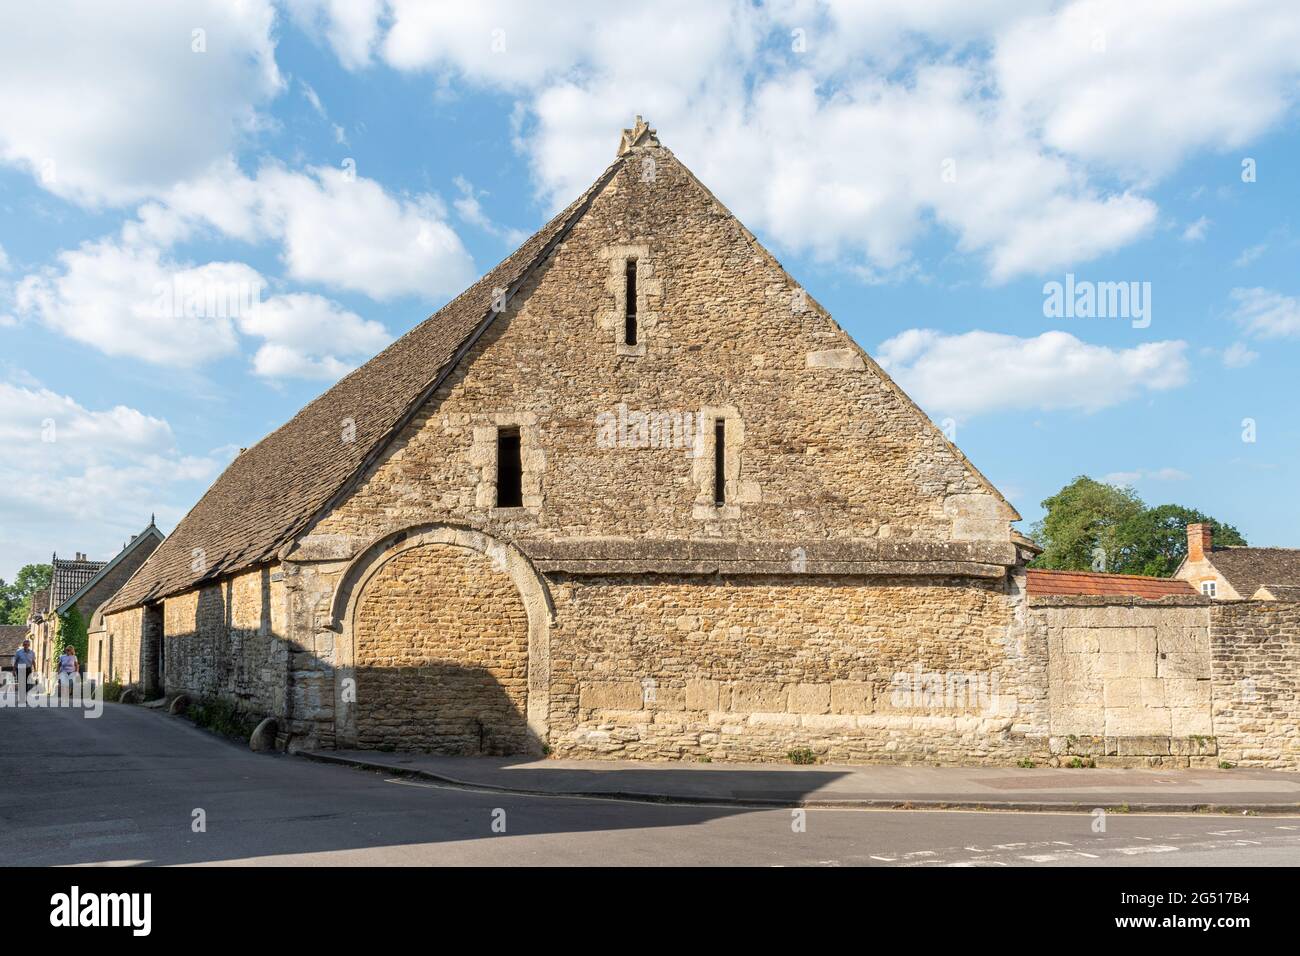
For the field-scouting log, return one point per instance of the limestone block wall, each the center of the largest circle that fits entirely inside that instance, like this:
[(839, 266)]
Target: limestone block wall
[(1255, 647), (123, 632), (750, 669), (441, 655), (1129, 680), (227, 640), (815, 448)]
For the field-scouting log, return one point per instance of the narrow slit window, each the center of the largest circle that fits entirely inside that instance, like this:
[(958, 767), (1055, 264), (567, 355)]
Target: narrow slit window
[(629, 325), (510, 469), (719, 462)]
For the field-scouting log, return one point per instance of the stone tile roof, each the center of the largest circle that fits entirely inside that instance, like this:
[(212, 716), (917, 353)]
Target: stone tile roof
[(1278, 592), (274, 489), (1249, 569), (1042, 581), (70, 576), (11, 638)]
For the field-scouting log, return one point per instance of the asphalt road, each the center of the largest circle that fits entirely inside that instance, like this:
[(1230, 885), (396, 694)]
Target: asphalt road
[(128, 788)]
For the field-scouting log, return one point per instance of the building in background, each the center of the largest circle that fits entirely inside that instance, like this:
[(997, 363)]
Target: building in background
[(1239, 573), (81, 584)]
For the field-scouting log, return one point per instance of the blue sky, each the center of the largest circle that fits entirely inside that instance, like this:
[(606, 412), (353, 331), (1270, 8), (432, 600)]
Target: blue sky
[(924, 169)]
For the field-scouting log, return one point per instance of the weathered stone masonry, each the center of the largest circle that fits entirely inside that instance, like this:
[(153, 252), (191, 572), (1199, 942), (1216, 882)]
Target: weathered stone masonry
[(859, 593)]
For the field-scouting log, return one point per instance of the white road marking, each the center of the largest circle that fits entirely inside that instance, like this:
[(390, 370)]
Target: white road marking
[(1135, 850)]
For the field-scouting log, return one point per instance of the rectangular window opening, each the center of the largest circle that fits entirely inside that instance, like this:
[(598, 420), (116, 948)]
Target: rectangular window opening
[(629, 328), (719, 462), (510, 469), (1208, 588)]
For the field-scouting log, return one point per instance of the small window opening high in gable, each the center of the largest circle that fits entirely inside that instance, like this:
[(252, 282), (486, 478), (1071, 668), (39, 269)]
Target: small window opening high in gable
[(629, 325), (719, 462), (510, 469)]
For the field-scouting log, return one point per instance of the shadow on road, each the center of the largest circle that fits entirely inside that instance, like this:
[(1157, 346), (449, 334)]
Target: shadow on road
[(140, 787)]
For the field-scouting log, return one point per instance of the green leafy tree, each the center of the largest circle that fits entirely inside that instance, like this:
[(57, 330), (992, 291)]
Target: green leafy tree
[(1155, 542), (1091, 525), (1082, 522), (29, 580)]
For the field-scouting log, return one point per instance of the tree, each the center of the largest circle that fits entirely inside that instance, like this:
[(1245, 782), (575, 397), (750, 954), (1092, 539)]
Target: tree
[(1092, 526), (32, 578), (1079, 530), (1155, 542)]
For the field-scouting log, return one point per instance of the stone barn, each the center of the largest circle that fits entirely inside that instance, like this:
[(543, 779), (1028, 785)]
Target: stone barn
[(633, 493)]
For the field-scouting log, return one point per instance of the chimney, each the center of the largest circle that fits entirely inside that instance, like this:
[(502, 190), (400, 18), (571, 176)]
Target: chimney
[(1200, 541)]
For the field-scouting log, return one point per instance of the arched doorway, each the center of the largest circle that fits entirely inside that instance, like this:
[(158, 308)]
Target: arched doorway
[(440, 650)]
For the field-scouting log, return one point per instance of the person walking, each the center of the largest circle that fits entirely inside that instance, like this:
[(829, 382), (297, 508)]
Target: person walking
[(68, 668), (24, 666)]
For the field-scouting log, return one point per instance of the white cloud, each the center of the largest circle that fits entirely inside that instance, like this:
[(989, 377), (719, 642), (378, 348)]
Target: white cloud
[(308, 336), (1137, 86), (35, 416), (109, 103), (1124, 479), (313, 98), (977, 372), (1195, 231), (336, 228), (348, 233), (74, 478), (351, 27), (821, 147), (1237, 355), (1250, 254), (127, 298), (825, 124), (471, 211), (1266, 314), (123, 300)]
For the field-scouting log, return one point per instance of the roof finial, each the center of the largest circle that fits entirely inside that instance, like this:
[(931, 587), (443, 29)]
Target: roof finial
[(639, 135), (152, 516)]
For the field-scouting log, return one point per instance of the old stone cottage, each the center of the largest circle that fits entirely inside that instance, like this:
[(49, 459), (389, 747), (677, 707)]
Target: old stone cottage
[(86, 586), (1237, 573), (633, 493)]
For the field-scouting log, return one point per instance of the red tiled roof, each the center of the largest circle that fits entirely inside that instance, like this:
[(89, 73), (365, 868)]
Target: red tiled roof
[(1090, 582)]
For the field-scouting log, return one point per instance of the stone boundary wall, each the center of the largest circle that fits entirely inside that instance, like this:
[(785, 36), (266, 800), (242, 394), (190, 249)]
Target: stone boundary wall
[(1180, 681), (1256, 660), (852, 670), (1129, 679)]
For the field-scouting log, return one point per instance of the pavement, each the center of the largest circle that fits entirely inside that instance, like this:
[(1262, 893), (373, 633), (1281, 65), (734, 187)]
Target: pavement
[(139, 787), (848, 787)]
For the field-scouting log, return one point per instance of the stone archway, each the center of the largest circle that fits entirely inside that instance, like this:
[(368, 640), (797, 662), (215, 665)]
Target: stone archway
[(444, 647)]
